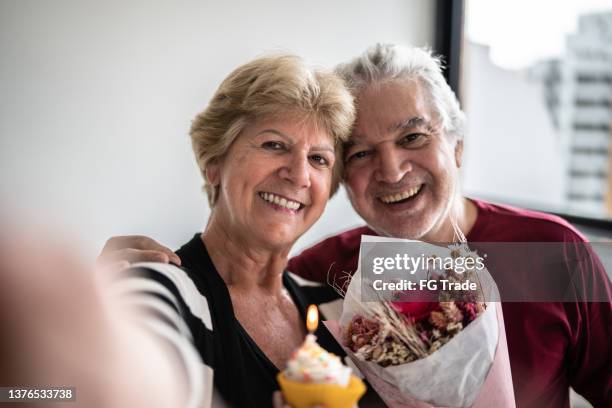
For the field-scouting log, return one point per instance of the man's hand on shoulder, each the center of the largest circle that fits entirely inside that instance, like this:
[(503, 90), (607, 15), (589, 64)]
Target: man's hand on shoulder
[(135, 248)]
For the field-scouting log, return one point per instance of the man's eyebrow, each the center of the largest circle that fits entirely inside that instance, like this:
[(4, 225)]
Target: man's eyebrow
[(290, 140), (415, 121)]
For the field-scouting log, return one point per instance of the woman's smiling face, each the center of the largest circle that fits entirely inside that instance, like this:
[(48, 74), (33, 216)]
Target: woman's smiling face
[(274, 181)]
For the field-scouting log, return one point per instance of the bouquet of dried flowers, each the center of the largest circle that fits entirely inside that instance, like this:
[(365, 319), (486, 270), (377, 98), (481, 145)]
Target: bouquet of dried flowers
[(432, 353), (401, 333)]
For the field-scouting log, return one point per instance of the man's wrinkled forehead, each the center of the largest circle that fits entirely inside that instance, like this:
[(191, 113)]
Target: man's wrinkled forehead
[(412, 123)]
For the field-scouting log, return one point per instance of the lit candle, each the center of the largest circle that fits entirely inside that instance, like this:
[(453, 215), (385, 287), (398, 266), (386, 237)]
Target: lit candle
[(312, 364), (312, 321)]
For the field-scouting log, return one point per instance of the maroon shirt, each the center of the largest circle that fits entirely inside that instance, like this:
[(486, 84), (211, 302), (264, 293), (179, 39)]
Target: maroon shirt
[(552, 346)]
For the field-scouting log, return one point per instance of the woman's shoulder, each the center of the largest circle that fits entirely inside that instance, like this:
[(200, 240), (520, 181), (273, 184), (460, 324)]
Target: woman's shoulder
[(173, 309), (173, 285)]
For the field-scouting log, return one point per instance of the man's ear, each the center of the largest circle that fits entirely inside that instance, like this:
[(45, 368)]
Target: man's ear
[(459, 152), (213, 172)]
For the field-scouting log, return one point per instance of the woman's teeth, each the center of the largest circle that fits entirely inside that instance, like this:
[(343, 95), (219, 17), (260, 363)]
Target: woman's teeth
[(280, 201), (393, 198)]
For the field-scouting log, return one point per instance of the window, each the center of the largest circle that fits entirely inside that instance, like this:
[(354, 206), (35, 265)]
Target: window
[(537, 90)]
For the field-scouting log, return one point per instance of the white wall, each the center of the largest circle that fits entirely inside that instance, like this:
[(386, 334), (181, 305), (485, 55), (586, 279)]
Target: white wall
[(96, 98)]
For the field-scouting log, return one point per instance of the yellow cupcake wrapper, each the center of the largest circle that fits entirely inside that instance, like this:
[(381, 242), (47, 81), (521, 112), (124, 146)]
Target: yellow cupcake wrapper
[(306, 395)]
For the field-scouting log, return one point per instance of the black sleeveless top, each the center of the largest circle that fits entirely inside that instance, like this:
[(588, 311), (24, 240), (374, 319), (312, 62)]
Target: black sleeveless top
[(243, 375)]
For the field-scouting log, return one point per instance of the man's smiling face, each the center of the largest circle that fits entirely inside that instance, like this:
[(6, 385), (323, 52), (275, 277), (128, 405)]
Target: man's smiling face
[(401, 168)]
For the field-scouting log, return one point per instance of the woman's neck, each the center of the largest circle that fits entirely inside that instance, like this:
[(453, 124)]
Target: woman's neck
[(241, 264)]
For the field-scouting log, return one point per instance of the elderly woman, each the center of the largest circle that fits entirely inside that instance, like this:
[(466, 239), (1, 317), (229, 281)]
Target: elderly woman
[(266, 146)]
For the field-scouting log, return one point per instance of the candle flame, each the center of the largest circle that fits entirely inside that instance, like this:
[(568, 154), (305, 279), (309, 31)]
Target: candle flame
[(312, 318)]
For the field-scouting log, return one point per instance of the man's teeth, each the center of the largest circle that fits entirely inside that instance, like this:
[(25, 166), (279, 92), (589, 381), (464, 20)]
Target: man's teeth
[(393, 198), (280, 201)]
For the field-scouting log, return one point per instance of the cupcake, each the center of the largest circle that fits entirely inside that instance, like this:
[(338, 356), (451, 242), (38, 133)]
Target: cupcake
[(316, 377)]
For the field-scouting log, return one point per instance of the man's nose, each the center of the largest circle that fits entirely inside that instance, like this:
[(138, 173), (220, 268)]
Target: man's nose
[(297, 171), (392, 165)]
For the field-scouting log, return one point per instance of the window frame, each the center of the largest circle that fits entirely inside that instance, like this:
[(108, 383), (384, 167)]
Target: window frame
[(448, 44)]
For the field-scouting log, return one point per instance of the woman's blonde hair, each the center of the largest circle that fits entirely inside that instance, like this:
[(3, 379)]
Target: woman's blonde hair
[(271, 85)]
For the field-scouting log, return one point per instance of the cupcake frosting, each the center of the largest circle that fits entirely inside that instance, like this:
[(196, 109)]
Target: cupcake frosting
[(313, 364)]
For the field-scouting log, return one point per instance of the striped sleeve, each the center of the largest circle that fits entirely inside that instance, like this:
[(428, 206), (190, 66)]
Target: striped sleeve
[(177, 313)]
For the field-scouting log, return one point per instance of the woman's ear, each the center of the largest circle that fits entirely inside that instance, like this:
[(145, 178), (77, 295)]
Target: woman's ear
[(213, 172), (459, 152)]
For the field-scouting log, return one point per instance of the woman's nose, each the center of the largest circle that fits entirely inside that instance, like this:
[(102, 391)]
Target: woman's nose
[(297, 171)]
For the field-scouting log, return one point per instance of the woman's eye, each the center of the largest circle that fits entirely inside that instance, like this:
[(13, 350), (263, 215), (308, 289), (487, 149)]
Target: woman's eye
[(272, 145), (319, 160)]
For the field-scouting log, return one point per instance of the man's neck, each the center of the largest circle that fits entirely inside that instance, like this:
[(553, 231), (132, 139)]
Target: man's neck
[(464, 212), (469, 213)]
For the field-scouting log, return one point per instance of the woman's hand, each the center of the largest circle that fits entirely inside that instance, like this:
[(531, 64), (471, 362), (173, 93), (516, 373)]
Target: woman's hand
[(123, 250), (60, 327), (278, 401)]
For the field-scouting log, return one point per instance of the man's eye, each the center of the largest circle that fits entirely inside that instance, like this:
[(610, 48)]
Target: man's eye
[(358, 155), (272, 145), (413, 140)]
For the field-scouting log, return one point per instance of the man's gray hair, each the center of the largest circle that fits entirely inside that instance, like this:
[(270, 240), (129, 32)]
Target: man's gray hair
[(386, 62)]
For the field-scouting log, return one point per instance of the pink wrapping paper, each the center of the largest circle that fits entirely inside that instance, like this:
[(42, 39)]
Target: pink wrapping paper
[(497, 390)]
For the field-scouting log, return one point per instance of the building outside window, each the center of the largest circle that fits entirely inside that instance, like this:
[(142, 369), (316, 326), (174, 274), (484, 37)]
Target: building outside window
[(537, 89)]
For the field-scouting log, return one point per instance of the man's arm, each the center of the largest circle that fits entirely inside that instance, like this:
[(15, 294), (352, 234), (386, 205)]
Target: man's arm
[(135, 248), (332, 260), (590, 356)]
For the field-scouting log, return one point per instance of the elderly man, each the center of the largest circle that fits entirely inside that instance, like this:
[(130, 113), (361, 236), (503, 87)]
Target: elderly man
[(401, 175)]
